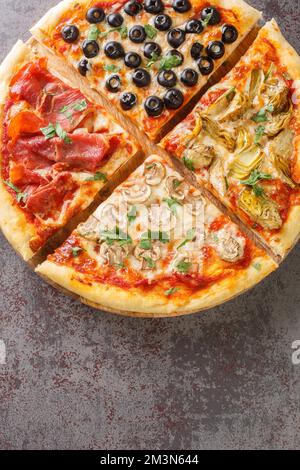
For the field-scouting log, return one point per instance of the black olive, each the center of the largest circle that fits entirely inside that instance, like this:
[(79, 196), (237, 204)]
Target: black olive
[(150, 49), (174, 52), (141, 78), (83, 67), (115, 20), (189, 77), (212, 12), (173, 99), (181, 6), (70, 33), (90, 49), (95, 15), (132, 60), (229, 34), (215, 49), (194, 27), (114, 50), (154, 106), (154, 6), (132, 8), (206, 65), (128, 101), (137, 34), (167, 78), (176, 37), (163, 22), (196, 50), (113, 83)]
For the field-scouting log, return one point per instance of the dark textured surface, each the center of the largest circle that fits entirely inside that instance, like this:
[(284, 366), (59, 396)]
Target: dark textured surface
[(76, 378)]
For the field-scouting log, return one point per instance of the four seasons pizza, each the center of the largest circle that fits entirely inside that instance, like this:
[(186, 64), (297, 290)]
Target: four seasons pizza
[(58, 149), (243, 140), (148, 57)]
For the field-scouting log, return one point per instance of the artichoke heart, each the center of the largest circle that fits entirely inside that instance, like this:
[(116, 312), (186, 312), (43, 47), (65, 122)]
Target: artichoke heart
[(229, 107), (255, 84), (196, 131), (244, 139), (281, 152), (245, 162), (218, 132), (262, 210), (200, 156), (278, 94), (278, 123)]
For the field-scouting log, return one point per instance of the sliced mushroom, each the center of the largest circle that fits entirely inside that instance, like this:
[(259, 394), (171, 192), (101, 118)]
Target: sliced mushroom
[(90, 229), (195, 205), (148, 257), (219, 132), (136, 192), (113, 255), (281, 150), (279, 122), (261, 210), (154, 173), (162, 218), (176, 187), (112, 216), (199, 155), (230, 249)]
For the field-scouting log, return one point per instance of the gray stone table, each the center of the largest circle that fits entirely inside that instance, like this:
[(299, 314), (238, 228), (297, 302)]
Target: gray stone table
[(75, 378)]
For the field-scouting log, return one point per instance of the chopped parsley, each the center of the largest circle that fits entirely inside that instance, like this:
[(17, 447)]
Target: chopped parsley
[(160, 236), (184, 266), (94, 33), (117, 235), (255, 177), (257, 266), (261, 116), (132, 214), (172, 203), (171, 291), (111, 68), (188, 163), (154, 58), (207, 20), (76, 250), (21, 197), (189, 237), (150, 31), (259, 133), (53, 130), (150, 262), (98, 176), (121, 29), (167, 63), (146, 244), (78, 106)]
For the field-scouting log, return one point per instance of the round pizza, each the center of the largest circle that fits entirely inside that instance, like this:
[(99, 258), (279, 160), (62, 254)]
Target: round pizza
[(215, 207)]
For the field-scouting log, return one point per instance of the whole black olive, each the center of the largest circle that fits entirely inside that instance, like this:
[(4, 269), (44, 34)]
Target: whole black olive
[(174, 52), (141, 78), (132, 60), (167, 78), (189, 77), (150, 49), (70, 33), (128, 101), (181, 6), (173, 99), (154, 106), (196, 50), (113, 83), (154, 6), (212, 13), (137, 34), (95, 15), (115, 20), (114, 50), (163, 22), (215, 49), (194, 27), (176, 37), (229, 34), (90, 49), (205, 64), (132, 8), (83, 67)]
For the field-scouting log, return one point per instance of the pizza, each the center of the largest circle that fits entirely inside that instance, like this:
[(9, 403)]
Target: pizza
[(157, 246), (242, 141), (58, 150), (148, 58)]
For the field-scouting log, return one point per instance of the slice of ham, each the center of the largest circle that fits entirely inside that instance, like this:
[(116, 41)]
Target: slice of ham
[(25, 122), (21, 176)]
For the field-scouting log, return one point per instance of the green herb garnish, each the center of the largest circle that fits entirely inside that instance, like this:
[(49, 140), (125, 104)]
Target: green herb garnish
[(160, 236), (21, 197), (183, 266), (111, 68), (189, 237), (261, 116), (188, 163), (93, 33), (207, 20), (132, 214), (146, 244), (171, 291), (259, 132), (257, 266), (76, 250), (117, 235), (150, 31), (167, 63), (172, 203), (154, 58), (52, 131), (255, 177), (150, 262), (98, 176), (121, 29)]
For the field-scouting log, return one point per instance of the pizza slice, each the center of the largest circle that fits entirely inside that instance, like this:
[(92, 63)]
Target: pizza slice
[(157, 247), (243, 140), (57, 150), (148, 58)]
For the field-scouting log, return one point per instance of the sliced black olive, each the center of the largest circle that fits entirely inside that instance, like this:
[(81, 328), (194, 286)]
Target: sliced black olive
[(128, 101), (163, 22), (181, 6), (115, 20), (154, 6), (212, 13), (194, 27), (90, 49), (154, 106), (215, 49), (150, 49), (176, 37), (132, 8), (173, 99), (132, 60), (167, 78), (229, 34), (196, 50), (137, 34), (114, 50), (95, 15), (206, 65), (83, 67), (189, 77), (174, 52), (113, 83), (141, 78), (70, 33)]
